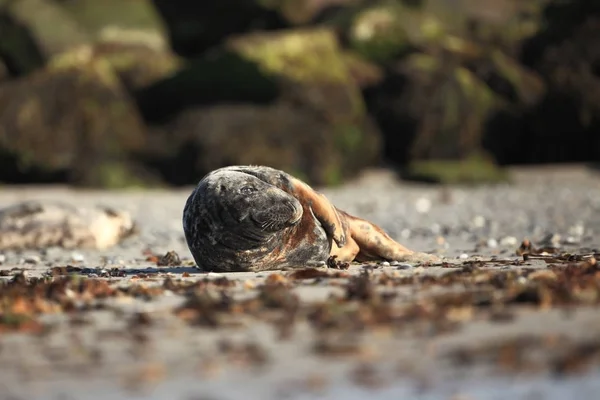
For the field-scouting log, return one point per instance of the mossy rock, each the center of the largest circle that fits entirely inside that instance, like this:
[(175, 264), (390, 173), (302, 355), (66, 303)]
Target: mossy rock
[(291, 73), (4, 73), (123, 21), (197, 26), (379, 34), (136, 65), (303, 12), (279, 135), (33, 31), (475, 169), (220, 77), (312, 70), (68, 118)]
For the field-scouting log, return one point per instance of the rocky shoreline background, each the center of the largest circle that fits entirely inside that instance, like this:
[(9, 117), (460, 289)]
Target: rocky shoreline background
[(149, 93)]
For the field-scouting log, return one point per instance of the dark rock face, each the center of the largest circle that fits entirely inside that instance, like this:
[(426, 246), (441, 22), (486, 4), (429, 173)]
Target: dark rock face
[(195, 26)]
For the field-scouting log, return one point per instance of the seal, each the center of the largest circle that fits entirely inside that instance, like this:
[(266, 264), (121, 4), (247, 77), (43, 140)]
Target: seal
[(255, 218), (37, 224)]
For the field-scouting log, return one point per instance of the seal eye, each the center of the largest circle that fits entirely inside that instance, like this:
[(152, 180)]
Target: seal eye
[(247, 190)]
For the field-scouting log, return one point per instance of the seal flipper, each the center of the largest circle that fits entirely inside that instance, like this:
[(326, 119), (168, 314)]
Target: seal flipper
[(323, 210), (374, 244)]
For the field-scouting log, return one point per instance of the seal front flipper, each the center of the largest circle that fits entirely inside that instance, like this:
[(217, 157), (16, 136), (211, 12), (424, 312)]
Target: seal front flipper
[(323, 210)]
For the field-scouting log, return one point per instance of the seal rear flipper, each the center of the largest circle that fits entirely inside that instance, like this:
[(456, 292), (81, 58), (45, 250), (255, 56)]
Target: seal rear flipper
[(373, 242)]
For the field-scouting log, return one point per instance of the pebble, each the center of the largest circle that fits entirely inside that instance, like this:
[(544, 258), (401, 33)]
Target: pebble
[(492, 243), (34, 259), (77, 257), (509, 241), (423, 205), (404, 266), (479, 221), (385, 264), (321, 263), (552, 239), (572, 240), (577, 230), (464, 256)]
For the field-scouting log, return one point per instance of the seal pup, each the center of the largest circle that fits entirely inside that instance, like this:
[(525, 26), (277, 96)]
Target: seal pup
[(255, 218), (37, 224)]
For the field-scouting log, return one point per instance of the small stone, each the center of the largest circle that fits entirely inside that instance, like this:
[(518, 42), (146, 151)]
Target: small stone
[(31, 260), (77, 257), (214, 275), (572, 240), (479, 221), (492, 243), (385, 264), (509, 241), (577, 230), (404, 266), (321, 263), (395, 263), (464, 256), (552, 239), (423, 205)]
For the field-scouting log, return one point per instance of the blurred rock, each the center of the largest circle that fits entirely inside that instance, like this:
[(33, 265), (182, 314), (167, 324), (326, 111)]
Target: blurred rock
[(378, 33), (196, 26), (565, 125), (293, 77), (74, 119), (456, 72), (363, 72), (280, 136), (33, 31), (301, 12), (123, 21), (310, 68), (4, 74), (136, 65)]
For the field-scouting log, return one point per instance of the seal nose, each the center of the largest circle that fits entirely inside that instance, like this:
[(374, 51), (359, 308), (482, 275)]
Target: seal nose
[(295, 218)]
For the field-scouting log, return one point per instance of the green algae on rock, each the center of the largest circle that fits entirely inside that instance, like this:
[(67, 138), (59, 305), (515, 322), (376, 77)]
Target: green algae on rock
[(68, 118), (135, 65), (123, 21), (311, 69), (254, 99)]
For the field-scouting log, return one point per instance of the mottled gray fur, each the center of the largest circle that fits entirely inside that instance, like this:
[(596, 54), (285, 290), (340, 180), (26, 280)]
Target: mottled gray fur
[(239, 218)]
